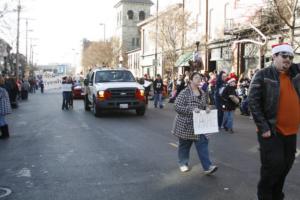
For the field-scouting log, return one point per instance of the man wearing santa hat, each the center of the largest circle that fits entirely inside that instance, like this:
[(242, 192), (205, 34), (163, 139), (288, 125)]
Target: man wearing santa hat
[(274, 100)]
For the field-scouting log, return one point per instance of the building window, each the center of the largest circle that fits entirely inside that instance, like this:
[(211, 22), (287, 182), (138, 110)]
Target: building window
[(298, 12), (142, 15), (130, 14), (132, 42), (137, 41)]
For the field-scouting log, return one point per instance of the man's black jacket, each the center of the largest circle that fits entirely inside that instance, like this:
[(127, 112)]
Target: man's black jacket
[(158, 86), (264, 96)]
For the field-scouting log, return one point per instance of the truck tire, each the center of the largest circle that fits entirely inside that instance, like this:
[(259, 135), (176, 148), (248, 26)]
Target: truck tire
[(96, 111), (140, 111), (86, 103)]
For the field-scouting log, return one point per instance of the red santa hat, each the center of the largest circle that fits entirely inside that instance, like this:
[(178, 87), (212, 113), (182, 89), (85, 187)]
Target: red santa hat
[(282, 47)]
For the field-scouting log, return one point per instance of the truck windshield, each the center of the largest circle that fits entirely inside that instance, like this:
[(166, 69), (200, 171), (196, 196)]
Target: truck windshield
[(114, 76)]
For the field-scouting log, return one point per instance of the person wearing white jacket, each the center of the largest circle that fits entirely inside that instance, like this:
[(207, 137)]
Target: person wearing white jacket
[(66, 89)]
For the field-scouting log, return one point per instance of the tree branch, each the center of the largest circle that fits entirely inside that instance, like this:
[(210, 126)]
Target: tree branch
[(277, 6)]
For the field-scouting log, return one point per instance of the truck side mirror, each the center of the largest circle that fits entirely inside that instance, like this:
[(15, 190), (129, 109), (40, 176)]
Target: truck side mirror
[(86, 82)]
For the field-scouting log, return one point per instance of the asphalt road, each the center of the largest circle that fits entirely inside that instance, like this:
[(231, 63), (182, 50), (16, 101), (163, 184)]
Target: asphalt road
[(71, 155)]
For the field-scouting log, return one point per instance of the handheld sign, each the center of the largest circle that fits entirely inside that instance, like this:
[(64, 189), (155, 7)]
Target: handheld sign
[(205, 123)]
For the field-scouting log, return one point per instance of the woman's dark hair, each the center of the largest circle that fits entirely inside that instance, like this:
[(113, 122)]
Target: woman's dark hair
[(194, 74)]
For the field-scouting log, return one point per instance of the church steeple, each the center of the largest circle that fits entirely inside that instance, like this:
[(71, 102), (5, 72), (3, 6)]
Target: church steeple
[(128, 14), (149, 2)]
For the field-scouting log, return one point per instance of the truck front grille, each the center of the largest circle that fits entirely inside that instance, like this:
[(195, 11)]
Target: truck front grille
[(122, 93)]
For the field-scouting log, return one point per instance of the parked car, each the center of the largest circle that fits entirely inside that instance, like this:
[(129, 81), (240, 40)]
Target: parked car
[(113, 89), (77, 91)]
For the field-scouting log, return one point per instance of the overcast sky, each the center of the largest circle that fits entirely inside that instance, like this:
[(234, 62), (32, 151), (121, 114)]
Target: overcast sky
[(60, 25)]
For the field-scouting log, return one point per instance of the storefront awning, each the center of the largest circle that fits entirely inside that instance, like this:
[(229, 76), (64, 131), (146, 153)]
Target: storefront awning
[(183, 60)]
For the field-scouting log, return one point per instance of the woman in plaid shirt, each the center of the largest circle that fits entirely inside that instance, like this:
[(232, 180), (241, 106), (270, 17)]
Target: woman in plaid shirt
[(5, 109), (192, 98)]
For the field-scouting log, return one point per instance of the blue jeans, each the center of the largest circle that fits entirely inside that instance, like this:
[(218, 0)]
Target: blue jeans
[(202, 150), (2, 121), (65, 103), (220, 117), (158, 99), (228, 119)]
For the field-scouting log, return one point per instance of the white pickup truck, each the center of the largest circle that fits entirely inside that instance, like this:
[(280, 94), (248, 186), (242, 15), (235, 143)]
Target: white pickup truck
[(113, 89)]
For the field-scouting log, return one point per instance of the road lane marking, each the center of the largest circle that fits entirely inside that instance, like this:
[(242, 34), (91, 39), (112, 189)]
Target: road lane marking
[(6, 192), (173, 145), (254, 149), (297, 153), (24, 173)]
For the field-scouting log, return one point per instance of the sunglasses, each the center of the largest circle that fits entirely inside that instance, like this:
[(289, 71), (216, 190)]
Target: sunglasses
[(286, 55)]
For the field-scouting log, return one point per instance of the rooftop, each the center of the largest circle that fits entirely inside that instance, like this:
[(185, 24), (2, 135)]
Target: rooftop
[(134, 1)]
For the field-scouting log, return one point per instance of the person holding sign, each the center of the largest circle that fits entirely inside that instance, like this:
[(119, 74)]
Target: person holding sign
[(191, 99)]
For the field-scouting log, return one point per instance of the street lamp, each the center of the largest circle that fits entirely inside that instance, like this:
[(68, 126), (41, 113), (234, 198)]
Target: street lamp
[(27, 30), (30, 60), (18, 37), (27, 43), (102, 24), (31, 54)]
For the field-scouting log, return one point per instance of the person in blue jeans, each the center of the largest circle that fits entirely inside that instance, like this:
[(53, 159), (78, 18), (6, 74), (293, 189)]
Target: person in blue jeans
[(221, 83), (230, 103), (192, 98), (158, 89)]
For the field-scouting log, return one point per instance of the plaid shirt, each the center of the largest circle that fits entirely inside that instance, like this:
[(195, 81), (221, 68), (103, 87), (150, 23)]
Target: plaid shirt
[(5, 107), (185, 103)]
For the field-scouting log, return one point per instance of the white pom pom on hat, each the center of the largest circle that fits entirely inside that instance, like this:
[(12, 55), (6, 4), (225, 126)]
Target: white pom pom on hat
[(231, 80), (282, 47)]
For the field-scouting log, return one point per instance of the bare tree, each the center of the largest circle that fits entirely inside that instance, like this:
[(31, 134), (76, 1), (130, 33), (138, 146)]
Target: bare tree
[(278, 17), (3, 9), (100, 53), (287, 13), (116, 49), (7, 9), (172, 24)]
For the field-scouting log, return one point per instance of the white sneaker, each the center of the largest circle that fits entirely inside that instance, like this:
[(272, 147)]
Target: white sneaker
[(212, 169), (184, 168)]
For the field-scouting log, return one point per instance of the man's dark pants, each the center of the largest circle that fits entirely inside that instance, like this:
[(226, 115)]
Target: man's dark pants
[(277, 155)]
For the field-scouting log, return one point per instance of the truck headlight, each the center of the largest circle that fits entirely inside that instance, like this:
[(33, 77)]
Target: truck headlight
[(101, 94), (142, 92)]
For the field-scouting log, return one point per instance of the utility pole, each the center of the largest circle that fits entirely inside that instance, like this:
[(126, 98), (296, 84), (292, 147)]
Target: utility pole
[(183, 26), (18, 37), (31, 55), (206, 36), (26, 41), (156, 30)]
